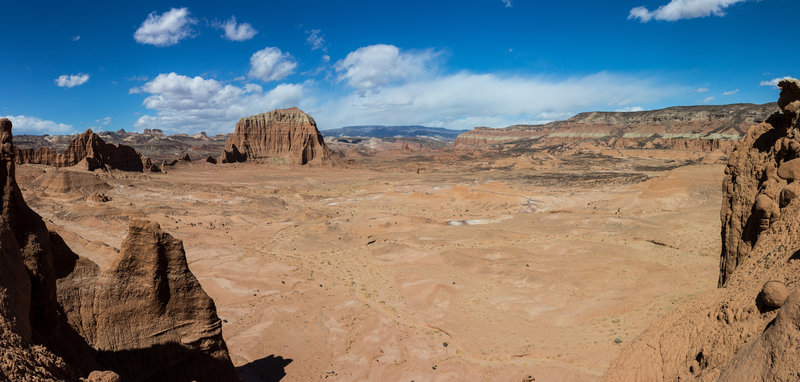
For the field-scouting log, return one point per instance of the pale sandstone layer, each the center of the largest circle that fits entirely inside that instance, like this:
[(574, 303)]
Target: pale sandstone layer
[(59, 322), (283, 135)]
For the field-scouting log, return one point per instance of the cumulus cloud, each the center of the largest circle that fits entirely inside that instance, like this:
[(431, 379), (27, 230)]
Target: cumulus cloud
[(187, 104), (270, 64), (237, 32), (37, 126), (375, 66), (166, 29), (702, 90), (71, 80), (730, 92), (683, 9), (315, 39), (773, 82), (465, 100)]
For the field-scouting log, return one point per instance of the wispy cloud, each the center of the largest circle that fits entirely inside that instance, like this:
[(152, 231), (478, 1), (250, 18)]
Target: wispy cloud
[(270, 64), (730, 92), (166, 29), (507, 3), (76, 38), (71, 80), (103, 121), (32, 125), (708, 99), (702, 90), (316, 40), (683, 9), (237, 32)]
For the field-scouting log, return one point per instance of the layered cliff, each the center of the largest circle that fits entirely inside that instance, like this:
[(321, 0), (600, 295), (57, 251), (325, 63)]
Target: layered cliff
[(283, 136), (749, 328), (704, 128), (145, 317), (87, 148)]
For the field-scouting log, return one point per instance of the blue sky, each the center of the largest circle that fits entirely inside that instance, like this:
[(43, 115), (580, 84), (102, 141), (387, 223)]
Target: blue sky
[(200, 66)]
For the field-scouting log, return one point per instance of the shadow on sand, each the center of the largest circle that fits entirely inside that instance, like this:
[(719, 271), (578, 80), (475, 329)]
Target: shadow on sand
[(267, 369)]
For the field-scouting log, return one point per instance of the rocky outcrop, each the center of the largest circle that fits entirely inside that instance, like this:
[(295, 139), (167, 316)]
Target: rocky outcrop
[(700, 128), (61, 317), (88, 149), (281, 136), (747, 330), (147, 306)]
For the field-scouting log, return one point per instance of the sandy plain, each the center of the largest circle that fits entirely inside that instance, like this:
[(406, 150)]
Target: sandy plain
[(419, 267)]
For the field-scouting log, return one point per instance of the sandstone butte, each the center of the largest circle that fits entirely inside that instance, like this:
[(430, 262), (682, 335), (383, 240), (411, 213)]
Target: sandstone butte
[(280, 136), (749, 328), (88, 150), (144, 317)]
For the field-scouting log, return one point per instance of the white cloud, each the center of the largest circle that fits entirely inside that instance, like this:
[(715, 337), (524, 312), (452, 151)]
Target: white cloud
[(240, 32), (76, 38), (32, 125), (71, 80), (270, 64), (186, 104), (773, 82), (315, 39), (465, 100), (730, 92), (375, 66), (702, 90), (630, 109), (103, 121), (708, 99), (683, 9), (507, 3), (166, 29)]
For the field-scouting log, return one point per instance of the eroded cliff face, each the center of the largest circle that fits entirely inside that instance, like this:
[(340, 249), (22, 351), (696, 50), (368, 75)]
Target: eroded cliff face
[(747, 330), (701, 128), (88, 149), (280, 136), (62, 316)]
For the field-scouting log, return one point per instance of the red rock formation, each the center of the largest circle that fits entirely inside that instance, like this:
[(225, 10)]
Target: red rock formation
[(747, 330), (88, 148), (61, 316), (282, 135)]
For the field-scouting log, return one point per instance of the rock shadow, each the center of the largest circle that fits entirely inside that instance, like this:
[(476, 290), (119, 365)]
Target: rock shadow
[(267, 369)]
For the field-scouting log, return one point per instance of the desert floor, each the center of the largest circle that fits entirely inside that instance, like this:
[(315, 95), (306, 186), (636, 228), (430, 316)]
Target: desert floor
[(418, 268)]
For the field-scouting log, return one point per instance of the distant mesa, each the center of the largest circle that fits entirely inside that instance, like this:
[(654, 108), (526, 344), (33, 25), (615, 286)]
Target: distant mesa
[(88, 150), (382, 131), (287, 136), (701, 128), (144, 316)]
